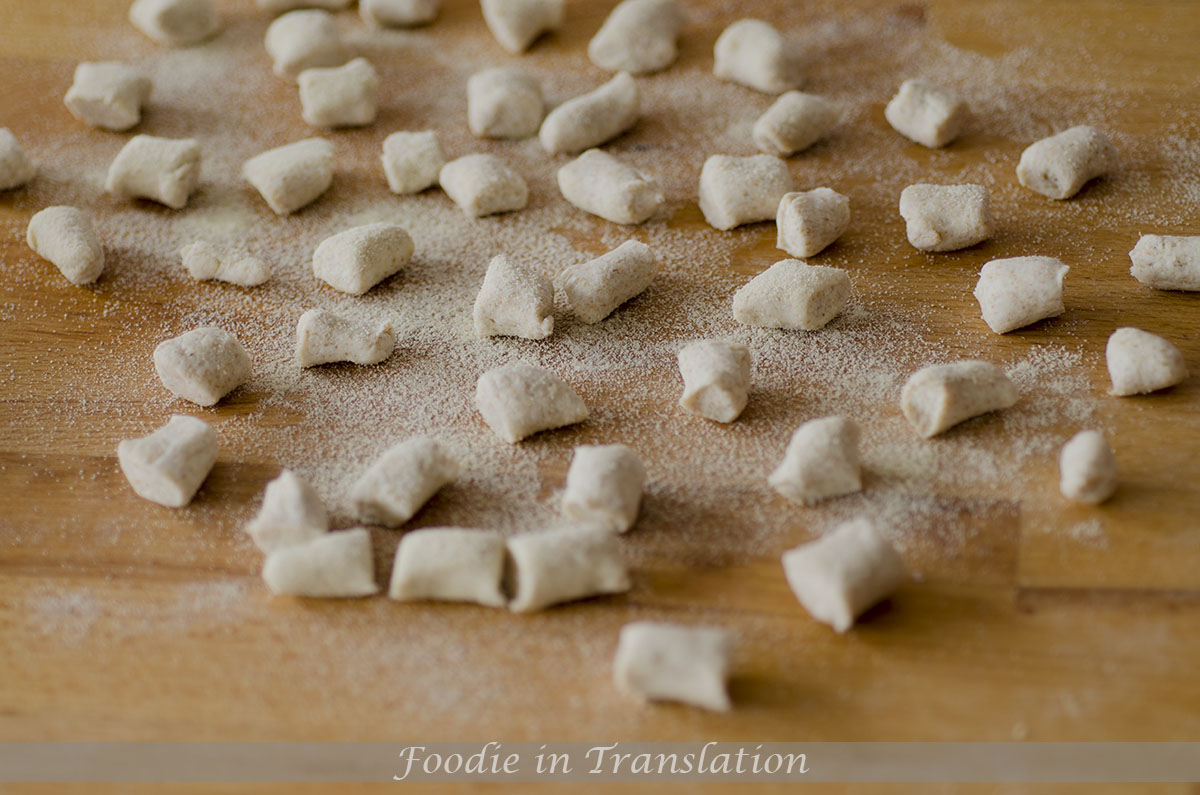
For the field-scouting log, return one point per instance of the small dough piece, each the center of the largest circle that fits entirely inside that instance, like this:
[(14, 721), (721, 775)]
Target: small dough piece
[(946, 217), (175, 23), (792, 295), (451, 564), (406, 476), (339, 96), (108, 95), (504, 103), (838, 576), (639, 37), (742, 190), (1059, 166), (205, 261), (203, 365), (169, 465), (808, 222), (356, 260), (604, 486), (331, 565), (514, 301), (518, 400), (412, 160), (821, 462), (926, 114), (565, 564), (483, 184), (756, 55), (1087, 468), (600, 184), (596, 288), (1140, 362), (306, 39), (291, 513), (516, 24), (292, 176), (1017, 291), (15, 166), (164, 170), (941, 396), (593, 118), (64, 236), (323, 337), (795, 122), (1166, 262), (399, 13), (716, 379), (280, 6), (658, 661)]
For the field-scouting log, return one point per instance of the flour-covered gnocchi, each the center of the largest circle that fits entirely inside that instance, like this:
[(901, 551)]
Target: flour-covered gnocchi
[(600, 184), (337, 565), (175, 23), (565, 564), (595, 288), (659, 661), (1087, 468), (399, 13), (412, 161), (169, 465), (323, 337), (940, 396), (593, 118), (504, 102), (516, 300), (291, 513), (164, 170), (64, 235), (793, 123), (807, 222), (1140, 362), (716, 379), (742, 190), (604, 486), (756, 55), (291, 176), (1017, 291), (838, 576), (518, 400), (357, 259), (946, 217), (926, 114), (339, 96), (1059, 166), (108, 95), (402, 480), (305, 39), (483, 184), (205, 261), (821, 461), (516, 24), (639, 37), (450, 564), (1167, 262), (203, 365), (792, 295), (16, 168)]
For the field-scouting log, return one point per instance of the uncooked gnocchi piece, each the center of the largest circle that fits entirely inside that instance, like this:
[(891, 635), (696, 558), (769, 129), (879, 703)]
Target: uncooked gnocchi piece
[(292, 176), (169, 465), (330, 565), (339, 96), (1140, 362), (518, 400), (483, 184), (305, 39), (604, 486), (164, 170), (593, 118), (926, 114), (1059, 166), (821, 462), (639, 37), (450, 564), (756, 55), (795, 122), (64, 236), (516, 24), (565, 564), (15, 166), (412, 160), (323, 337), (175, 23), (291, 513), (792, 295), (1166, 262), (600, 184), (514, 301), (404, 478), (946, 217), (941, 396), (1017, 291), (108, 95), (716, 379), (203, 365), (280, 6), (399, 13), (807, 222), (838, 576), (1087, 468), (595, 288), (356, 260), (742, 190), (658, 661), (504, 103), (205, 261)]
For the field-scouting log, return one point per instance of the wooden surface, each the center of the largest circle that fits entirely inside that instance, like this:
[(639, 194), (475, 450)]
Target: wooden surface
[(1026, 634)]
